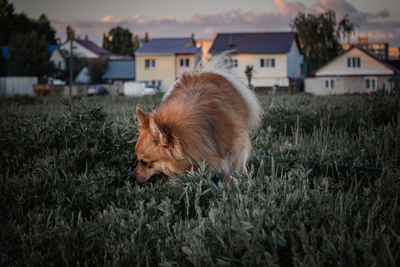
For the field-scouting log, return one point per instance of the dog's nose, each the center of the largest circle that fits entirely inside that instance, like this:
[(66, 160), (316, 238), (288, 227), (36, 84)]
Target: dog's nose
[(132, 176)]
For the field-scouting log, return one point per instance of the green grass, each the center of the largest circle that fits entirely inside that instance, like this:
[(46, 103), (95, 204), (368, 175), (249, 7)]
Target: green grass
[(65, 196)]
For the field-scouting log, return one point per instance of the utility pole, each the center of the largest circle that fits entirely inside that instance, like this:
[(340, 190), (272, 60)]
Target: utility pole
[(70, 66)]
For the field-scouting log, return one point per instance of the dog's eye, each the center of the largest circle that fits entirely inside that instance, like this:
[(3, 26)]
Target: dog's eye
[(144, 163)]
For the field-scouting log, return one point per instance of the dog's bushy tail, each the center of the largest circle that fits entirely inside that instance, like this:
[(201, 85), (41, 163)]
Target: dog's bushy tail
[(219, 65)]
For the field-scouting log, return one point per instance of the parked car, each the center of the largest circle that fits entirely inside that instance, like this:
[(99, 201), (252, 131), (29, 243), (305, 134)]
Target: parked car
[(97, 89), (139, 89)]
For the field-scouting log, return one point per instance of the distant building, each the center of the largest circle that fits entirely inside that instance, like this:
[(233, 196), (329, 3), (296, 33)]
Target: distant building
[(119, 71), (378, 49), (89, 50), (394, 53), (353, 71), (275, 56), (162, 60), (58, 57)]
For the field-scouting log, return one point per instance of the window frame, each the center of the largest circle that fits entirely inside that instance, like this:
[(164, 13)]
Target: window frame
[(150, 63)]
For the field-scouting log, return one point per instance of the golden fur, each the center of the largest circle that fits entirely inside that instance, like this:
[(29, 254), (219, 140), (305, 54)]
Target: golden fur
[(203, 118)]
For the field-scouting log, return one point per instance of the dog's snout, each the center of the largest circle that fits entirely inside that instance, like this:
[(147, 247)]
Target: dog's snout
[(132, 176)]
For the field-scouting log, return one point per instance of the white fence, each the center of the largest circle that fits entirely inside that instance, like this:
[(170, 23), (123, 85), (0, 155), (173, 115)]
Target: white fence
[(17, 85)]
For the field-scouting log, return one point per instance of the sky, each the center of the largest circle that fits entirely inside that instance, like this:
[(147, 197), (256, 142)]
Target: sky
[(377, 20)]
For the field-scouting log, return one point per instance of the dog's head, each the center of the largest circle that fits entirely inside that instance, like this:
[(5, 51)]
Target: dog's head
[(158, 149)]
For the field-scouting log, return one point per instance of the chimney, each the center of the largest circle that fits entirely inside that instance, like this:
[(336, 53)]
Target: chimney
[(230, 42), (86, 38)]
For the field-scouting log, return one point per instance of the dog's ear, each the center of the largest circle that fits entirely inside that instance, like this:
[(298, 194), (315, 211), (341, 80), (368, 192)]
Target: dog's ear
[(167, 139), (143, 117)]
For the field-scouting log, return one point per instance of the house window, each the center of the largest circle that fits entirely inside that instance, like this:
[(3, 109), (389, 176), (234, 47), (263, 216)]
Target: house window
[(353, 62), (370, 83), (184, 62), (156, 84), (149, 63), (235, 63), (330, 84), (267, 62), (232, 63)]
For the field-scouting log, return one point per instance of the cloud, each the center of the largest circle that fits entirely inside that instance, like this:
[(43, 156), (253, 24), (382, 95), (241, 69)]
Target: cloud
[(110, 18), (204, 26), (289, 9)]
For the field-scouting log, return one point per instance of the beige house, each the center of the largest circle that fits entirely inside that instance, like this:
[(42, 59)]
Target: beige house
[(353, 71), (162, 60), (275, 56)]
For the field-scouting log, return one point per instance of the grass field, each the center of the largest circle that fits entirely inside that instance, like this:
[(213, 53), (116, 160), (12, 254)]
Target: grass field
[(323, 189)]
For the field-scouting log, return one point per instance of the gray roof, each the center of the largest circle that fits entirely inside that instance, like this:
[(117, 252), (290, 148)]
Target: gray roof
[(161, 46), (254, 43), (120, 69)]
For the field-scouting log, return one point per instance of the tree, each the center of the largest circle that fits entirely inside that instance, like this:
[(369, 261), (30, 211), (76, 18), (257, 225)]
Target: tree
[(12, 23), (319, 36), (70, 33), (118, 41), (6, 13), (43, 27), (96, 70), (29, 55), (136, 43)]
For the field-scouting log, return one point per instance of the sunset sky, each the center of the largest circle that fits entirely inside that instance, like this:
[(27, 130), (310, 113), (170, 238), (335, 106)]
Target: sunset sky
[(378, 20)]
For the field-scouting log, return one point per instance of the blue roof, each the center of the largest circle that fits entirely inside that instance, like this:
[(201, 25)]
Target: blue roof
[(168, 46), (52, 48), (4, 51), (120, 69), (254, 43)]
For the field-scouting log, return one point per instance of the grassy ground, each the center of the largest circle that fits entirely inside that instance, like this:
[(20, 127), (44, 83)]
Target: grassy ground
[(65, 196)]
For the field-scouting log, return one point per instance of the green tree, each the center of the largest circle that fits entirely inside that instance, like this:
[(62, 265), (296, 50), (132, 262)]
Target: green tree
[(319, 36), (136, 43), (29, 55), (119, 41), (6, 14), (96, 70), (12, 23), (43, 27), (70, 33)]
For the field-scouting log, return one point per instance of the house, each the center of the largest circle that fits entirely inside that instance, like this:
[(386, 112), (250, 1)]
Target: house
[(119, 71), (378, 49), (353, 71), (275, 56), (162, 60), (394, 53), (58, 57), (89, 51)]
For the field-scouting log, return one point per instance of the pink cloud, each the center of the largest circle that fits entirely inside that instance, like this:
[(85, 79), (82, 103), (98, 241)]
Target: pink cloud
[(289, 9), (204, 26)]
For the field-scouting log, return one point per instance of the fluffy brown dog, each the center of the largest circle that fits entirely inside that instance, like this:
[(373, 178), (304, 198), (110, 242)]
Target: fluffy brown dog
[(204, 116)]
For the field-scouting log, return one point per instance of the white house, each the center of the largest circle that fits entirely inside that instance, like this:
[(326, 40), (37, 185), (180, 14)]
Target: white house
[(58, 58), (88, 50), (275, 56), (353, 71)]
